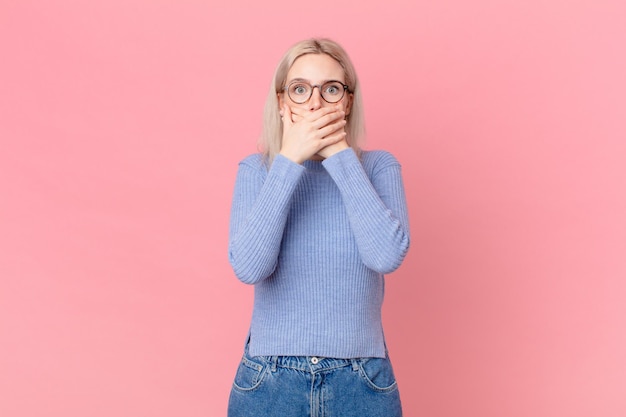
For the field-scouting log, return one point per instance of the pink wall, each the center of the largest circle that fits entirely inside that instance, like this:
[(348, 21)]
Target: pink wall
[(121, 125)]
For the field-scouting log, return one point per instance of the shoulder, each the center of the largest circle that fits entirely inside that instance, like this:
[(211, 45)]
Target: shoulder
[(377, 160), (256, 159), (256, 162), (252, 166)]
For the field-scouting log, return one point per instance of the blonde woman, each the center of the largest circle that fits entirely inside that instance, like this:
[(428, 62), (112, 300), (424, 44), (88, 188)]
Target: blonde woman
[(315, 224)]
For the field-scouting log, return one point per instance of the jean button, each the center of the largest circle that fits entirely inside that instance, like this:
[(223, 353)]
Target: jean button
[(314, 360)]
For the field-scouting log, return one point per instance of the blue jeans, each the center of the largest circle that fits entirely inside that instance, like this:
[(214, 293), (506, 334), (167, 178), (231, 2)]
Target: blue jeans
[(304, 386)]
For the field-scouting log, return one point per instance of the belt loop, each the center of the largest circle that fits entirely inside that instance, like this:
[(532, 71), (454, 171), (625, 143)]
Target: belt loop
[(245, 345), (274, 360), (355, 364)]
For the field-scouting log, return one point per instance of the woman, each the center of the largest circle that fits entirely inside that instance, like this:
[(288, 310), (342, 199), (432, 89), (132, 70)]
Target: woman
[(315, 224)]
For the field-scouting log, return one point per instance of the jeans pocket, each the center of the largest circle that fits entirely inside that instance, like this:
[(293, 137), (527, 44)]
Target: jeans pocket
[(378, 374), (249, 375)]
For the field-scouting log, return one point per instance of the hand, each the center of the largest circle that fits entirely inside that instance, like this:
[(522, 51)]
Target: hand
[(305, 135), (330, 150)]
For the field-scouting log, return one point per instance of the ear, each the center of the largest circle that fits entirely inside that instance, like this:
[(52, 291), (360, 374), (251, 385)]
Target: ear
[(349, 103), (281, 101)]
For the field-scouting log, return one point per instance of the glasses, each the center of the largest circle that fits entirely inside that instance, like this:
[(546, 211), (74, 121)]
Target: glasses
[(300, 91)]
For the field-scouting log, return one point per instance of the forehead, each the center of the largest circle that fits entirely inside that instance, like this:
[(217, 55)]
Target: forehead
[(316, 68)]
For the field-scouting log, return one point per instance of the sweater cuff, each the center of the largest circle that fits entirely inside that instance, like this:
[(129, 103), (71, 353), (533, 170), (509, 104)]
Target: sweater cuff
[(284, 167), (342, 160)]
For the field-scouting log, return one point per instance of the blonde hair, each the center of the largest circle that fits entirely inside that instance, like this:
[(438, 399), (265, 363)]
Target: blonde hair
[(271, 137)]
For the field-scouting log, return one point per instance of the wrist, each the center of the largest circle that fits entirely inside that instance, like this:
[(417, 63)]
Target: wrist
[(292, 158), (330, 150)]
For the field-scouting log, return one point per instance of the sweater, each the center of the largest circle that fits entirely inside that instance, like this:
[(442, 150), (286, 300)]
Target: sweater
[(315, 240)]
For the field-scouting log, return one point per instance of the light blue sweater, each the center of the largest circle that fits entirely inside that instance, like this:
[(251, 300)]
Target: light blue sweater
[(315, 240)]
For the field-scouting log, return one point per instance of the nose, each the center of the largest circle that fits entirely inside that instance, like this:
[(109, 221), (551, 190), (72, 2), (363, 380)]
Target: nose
[(315, 102)]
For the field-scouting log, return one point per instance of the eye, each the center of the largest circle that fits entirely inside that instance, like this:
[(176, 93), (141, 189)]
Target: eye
[(333, 89), (299, 89)]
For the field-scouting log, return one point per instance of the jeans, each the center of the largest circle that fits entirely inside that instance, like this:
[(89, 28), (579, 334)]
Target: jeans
[(304, 386)]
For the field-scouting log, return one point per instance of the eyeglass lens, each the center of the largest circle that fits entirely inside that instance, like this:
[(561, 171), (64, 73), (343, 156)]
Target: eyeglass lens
[(300, 92)]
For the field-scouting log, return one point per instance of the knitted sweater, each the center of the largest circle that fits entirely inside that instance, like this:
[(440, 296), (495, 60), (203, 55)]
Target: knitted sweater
[(315, 240)]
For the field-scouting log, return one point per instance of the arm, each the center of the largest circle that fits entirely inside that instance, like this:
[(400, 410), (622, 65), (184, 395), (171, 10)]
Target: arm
[(376, 208), (259, 212)]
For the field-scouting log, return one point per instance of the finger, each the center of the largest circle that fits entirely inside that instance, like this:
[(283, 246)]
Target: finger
[(286, 115), (297, 112), (331, 128), (320, 113), (328, 119), (332, 139)]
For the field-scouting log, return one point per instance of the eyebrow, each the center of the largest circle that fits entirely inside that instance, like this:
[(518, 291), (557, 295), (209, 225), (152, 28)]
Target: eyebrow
[(309, 81)]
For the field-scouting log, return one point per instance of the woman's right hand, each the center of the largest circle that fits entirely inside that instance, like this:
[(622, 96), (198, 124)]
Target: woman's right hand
[(304, 135)]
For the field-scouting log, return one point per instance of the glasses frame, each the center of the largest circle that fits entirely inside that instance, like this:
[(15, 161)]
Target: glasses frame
[(319, 87)]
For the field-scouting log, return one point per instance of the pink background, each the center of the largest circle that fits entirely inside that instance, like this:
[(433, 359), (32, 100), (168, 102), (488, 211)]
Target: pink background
[(121, 125)]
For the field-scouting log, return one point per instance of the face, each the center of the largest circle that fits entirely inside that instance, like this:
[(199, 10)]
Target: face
[(315, 69)]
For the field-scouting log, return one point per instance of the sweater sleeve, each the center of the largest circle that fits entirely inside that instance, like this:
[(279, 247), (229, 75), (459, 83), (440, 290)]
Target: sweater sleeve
[(259, 213), (376, 207)]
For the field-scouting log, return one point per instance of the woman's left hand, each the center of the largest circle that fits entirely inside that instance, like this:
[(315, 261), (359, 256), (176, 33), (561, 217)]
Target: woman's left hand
[(329, 150)]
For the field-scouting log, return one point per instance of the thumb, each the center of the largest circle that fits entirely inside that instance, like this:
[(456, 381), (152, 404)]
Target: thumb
[(286, 115)]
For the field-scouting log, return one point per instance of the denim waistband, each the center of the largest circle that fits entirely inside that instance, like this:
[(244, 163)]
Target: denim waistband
[(309, 363), (304, 363)]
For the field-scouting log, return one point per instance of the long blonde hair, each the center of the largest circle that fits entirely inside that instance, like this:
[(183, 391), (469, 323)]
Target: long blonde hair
[(271, 137)]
